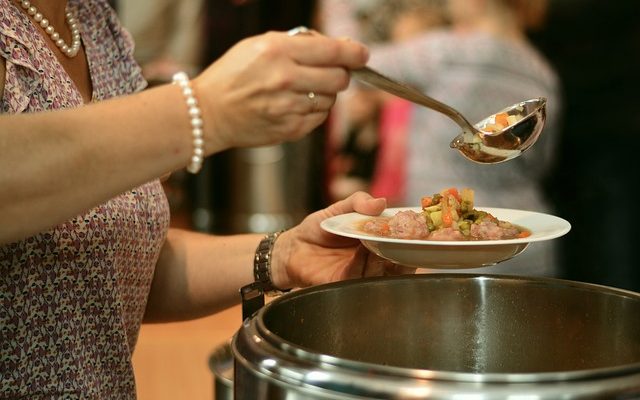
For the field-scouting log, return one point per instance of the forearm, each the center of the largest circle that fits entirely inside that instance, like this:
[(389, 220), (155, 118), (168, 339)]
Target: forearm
[(55, 165), (198, 274)]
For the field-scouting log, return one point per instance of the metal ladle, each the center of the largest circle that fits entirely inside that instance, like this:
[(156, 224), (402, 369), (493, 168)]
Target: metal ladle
[(474, 143)]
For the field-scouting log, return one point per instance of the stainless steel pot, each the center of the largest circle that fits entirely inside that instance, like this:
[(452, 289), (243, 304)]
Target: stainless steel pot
[(221, 365), (442, 336)]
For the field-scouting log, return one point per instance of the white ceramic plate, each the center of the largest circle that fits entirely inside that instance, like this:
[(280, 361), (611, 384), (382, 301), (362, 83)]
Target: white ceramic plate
[(451, 254)]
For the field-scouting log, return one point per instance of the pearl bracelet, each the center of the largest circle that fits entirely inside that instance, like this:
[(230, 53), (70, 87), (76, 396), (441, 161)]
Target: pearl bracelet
[(182, 80)]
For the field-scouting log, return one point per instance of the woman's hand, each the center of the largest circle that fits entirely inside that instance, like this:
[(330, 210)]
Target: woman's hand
[(274, 87), (308, 255)]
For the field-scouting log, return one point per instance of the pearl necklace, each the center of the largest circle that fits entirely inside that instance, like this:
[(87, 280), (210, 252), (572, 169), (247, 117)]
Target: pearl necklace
[(68, 50)]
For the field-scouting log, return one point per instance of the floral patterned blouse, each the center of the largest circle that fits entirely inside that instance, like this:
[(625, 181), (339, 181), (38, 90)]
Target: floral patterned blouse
[(72, 298)]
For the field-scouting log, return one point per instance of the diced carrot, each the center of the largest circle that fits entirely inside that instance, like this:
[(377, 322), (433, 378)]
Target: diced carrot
[(447, 220), (523, 234), (453, 192), (493, 128), (426, 201), (502, 119)]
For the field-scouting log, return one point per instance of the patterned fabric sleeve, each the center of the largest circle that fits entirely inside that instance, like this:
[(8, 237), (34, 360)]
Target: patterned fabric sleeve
[(72, 298), (128, 73), (21, 76), (125, 39)]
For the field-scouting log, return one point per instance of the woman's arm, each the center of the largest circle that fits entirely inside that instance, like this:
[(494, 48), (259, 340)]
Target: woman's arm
[(58, 164), (55, 165), (199, 274)]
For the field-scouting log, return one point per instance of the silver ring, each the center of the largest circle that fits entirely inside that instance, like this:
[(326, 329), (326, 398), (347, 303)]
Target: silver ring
[(312, 97), (298, 30)]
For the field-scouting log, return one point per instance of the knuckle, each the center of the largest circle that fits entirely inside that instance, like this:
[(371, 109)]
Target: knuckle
[(286, 106), (268, 46), (271, 111), (283, 80), (277, 108), (276, 83)]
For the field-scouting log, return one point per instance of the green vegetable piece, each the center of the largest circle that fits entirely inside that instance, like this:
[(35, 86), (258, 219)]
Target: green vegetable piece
[(431, 209), (436, 217)]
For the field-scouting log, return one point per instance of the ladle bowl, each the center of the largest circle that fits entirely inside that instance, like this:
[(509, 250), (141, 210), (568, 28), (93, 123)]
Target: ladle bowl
[(486, 147)]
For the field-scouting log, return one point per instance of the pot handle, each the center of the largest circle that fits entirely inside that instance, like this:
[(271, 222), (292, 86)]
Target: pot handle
[(252, 299)]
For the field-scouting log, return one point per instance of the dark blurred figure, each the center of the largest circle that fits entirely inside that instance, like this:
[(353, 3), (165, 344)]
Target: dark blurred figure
[(229, 21), (595, 46)]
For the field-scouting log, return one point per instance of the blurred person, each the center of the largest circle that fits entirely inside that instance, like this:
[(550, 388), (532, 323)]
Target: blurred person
[(409, 18), (86, 252), (358, 17), (353, 146), (352, 164), (168, 35), (480, 64), (371, 155)]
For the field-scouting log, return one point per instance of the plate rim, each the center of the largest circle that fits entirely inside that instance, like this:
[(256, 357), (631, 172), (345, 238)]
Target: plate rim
[(565, 228)]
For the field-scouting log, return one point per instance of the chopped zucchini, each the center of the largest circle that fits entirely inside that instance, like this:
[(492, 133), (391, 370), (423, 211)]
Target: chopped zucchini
[(431, 209), (436, 217), (430, 225)]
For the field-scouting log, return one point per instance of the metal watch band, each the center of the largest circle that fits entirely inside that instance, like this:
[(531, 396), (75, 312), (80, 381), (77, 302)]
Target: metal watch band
[(262, 264)]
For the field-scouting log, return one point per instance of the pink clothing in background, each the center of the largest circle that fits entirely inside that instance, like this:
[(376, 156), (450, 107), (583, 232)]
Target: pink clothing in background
[(391, 167)]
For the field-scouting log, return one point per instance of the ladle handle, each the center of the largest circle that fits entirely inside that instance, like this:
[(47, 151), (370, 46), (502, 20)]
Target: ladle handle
[(376, 79)]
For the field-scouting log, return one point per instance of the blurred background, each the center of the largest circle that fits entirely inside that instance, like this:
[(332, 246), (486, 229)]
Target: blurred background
[(592, 48)]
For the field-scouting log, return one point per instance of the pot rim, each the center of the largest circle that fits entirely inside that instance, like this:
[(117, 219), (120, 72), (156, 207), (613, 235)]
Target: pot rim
[(307, 355), (220, 361)]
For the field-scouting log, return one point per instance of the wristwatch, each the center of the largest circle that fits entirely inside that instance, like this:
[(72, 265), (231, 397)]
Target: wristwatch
[(253, 294), (262, 264)]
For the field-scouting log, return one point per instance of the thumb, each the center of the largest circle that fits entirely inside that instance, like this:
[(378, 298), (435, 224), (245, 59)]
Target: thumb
[(360, 202)]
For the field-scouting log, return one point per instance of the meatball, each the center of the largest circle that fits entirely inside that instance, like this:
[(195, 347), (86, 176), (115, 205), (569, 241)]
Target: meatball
[(408, 225), (447, 234), (491, 230)]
